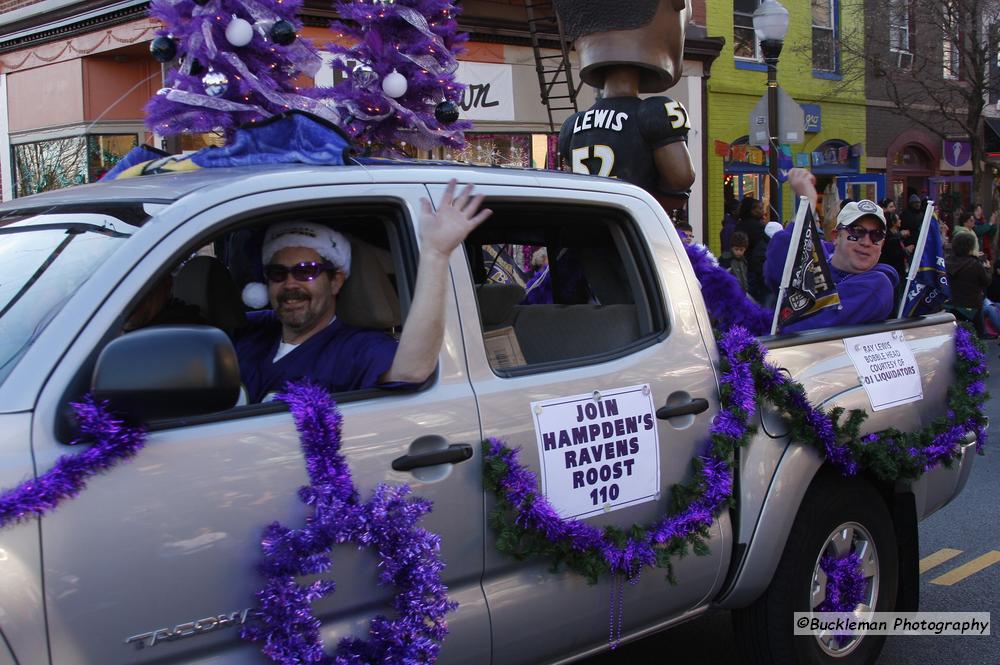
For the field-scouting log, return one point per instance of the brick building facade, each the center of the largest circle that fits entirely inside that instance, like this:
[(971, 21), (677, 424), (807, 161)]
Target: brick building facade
[(900, 45), (835, 108)]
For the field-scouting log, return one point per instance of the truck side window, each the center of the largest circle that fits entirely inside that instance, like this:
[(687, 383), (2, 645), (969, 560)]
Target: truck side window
[(204, 286), (558, 284)]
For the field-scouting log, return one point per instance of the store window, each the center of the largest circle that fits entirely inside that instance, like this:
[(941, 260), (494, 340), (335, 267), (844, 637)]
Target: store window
[(538, 151), (42, 166), (824, 33), (106, 150), (745, 43), (590, 292)]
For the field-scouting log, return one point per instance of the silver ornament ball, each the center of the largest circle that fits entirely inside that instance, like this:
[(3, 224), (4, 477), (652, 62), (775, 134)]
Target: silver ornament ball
[(215, 83), (364, 76)]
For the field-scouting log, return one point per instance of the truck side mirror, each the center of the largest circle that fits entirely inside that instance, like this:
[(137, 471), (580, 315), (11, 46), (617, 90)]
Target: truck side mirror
[(168, 372)]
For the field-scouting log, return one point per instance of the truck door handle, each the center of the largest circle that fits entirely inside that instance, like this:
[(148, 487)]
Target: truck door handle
[(453, 454), (696, 405)]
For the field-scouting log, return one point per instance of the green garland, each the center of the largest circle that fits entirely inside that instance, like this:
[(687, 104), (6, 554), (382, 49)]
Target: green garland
[(527, 526)]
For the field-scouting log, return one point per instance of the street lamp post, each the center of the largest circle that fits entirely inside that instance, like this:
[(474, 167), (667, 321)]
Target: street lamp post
[(770, 22)]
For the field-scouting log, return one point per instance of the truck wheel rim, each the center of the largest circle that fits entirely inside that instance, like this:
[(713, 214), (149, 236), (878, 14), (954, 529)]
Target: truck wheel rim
[(846, 538)]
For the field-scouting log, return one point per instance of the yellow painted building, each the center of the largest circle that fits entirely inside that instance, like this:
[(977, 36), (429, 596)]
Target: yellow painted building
[(811, 70)]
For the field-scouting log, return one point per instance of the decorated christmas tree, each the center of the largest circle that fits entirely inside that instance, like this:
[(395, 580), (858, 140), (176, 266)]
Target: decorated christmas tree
[(234, 62), (400, 86)]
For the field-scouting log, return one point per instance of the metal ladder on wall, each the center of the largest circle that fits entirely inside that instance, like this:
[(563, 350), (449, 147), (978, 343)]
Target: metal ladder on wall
[(555, 77)]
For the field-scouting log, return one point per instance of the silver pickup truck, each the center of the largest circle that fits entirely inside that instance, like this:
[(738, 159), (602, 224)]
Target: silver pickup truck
[(155, 561)]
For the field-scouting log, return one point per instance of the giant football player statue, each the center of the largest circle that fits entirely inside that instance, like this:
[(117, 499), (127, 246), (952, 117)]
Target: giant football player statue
[(626, 48)]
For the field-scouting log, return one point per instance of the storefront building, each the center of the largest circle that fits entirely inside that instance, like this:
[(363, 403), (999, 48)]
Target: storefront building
[(912, 161), (834, 140), (73, 87)]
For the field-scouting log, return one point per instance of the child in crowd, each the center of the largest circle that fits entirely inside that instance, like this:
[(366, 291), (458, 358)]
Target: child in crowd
[(735, 260), (686, 232)]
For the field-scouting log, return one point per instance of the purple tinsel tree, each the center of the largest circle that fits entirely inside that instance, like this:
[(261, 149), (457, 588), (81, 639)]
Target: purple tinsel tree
[(404, 52), (214, 83)]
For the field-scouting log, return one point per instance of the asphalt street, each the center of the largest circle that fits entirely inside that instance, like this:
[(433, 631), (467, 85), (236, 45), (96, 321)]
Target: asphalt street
[(958, 539)]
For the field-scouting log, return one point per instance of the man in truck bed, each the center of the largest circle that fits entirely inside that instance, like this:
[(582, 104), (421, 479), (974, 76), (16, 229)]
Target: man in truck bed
[(866, 286)]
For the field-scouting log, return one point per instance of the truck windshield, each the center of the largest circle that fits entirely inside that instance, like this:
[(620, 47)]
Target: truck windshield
[(45, 259)]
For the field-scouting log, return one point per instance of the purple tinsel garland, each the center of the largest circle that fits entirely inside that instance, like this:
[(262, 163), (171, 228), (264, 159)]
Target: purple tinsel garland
[(518, 485), (408, 556), (845, 583), (715, 483), (113, 442), (727, 304)]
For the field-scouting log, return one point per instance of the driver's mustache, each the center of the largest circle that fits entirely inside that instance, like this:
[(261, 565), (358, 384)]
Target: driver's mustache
[(292, 293)]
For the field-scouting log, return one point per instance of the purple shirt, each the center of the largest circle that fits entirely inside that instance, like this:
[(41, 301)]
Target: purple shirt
[(865, 297), (340, 357)]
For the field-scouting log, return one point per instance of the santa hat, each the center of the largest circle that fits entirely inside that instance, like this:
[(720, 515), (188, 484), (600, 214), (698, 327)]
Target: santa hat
[(326, 242)]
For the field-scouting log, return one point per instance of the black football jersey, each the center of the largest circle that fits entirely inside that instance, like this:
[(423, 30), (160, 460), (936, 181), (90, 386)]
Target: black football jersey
[(616, 137)]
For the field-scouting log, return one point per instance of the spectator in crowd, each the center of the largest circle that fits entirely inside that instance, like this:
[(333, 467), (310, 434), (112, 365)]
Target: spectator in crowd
[(912, 218), (986, 231), (686, 232), (991, 303), (968, 276), (735, 260), (752, 224), (729, 221), (865, 286), (893, 250), (538, 290), (751, 220), (888, 208), (964, 226)]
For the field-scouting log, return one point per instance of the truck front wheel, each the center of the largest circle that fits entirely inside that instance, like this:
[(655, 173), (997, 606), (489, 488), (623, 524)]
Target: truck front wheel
[(838, 517)]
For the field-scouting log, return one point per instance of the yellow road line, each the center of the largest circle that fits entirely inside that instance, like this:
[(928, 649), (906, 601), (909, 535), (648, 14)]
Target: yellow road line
[(936, 559), (958, 574)]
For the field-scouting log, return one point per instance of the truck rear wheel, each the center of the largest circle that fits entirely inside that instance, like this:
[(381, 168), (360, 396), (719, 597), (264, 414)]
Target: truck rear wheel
[(838, 516)]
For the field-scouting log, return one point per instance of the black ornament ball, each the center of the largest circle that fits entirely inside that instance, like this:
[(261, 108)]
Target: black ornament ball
[(446, 112), (163, 49), (283, 32), (201, 3)]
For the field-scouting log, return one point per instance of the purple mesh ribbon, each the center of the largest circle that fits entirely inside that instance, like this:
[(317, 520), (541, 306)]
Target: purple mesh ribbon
[(408, 556), (111, 441), (845, 583)]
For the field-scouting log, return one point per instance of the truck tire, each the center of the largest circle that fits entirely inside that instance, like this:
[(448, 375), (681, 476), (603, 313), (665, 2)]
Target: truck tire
[(838, 515)]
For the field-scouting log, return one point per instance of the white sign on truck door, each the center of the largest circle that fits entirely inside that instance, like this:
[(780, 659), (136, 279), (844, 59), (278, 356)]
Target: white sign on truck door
[(886, 367), (598, 451)]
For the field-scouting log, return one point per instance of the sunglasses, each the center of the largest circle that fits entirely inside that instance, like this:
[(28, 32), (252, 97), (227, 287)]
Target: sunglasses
[(306, 271), (855, 232)]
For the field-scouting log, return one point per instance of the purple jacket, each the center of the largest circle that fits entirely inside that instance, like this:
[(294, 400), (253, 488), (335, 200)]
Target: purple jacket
[(865, 297), (339, 357)]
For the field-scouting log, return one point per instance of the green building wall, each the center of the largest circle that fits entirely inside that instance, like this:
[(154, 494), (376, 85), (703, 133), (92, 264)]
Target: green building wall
[(733, 93)]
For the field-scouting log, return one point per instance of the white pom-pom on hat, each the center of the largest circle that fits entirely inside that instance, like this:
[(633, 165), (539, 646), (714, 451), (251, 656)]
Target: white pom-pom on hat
[(772, 228), (255, 295)]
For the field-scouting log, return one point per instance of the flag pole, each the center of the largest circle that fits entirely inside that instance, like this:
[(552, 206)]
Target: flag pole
[(918, 254), (786, 275)]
